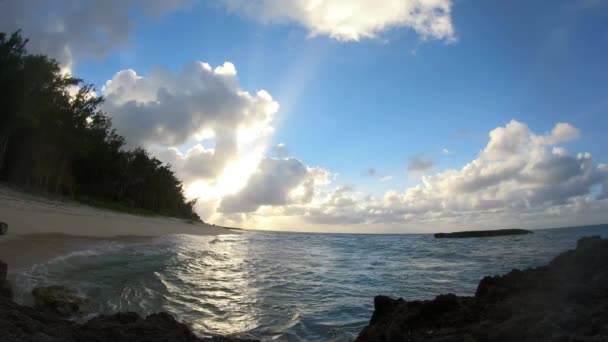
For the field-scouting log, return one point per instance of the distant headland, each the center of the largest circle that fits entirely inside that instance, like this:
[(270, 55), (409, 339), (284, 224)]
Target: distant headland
[(482, 233)]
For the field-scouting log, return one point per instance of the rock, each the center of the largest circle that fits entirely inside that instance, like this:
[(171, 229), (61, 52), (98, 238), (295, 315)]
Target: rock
[(58, 299), (45, 321), (130, 326), (566, 300), (440, 319), (3, 228), (482, 233), (21, 323), (6, 290)]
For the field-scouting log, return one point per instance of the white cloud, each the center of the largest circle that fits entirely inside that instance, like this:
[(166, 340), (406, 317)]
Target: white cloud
[(275, 182), (213, 133), (519, 178), (169, 108), (386, 178), (351, 20), (562, 132), (216, 135), (67, 29)]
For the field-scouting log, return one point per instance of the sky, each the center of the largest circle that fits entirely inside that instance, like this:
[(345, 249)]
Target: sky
[(346, 116)]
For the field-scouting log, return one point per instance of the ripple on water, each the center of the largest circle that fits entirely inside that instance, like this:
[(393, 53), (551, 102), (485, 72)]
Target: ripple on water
[(288, 287)]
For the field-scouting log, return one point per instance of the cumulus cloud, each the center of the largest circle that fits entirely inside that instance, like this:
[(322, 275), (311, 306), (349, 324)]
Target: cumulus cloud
[(516, 170), (562, 132), (519, 178), (275, 182), (66, 29), (419, 165), (170, 108), (197, 163), (213, 133), (351, 20)]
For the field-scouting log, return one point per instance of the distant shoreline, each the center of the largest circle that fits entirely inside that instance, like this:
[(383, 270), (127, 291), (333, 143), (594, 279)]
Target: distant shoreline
[(482, 233), (393, 233)]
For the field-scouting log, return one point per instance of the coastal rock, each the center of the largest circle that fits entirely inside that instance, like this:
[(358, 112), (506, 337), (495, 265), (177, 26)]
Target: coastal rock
[(3, 228), (46, 320), (129, 326), (6, 290), (21, 323), (482, 233), (566, 300), (58, 300)]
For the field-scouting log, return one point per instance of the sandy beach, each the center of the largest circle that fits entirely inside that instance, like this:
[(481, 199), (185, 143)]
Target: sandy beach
[(41, 229)]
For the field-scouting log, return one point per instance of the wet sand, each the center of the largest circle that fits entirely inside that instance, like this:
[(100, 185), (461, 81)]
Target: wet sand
[(41, 229), (23, 251)]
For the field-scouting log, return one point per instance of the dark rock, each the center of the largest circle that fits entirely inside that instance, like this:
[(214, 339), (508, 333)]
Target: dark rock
[(566, 300), (131, 327), (22, 324), (46, 323), (482, 233), (6, 290), (58, 300), (3, 228), (438, 320)]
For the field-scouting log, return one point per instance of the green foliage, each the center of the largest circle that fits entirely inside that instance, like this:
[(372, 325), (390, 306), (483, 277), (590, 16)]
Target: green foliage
[(54, 139)]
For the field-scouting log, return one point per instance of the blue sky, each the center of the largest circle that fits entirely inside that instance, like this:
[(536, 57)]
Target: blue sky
[(377, 103), (348, 105)]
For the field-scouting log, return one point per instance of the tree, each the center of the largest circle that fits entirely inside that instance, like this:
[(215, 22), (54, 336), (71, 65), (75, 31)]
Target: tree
[(54, 138)]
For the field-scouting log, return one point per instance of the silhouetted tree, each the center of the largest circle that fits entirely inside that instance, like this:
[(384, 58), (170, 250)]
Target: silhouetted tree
[(54, 138)]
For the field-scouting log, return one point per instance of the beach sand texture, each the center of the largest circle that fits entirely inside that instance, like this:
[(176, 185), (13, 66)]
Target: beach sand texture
[(41, 229)]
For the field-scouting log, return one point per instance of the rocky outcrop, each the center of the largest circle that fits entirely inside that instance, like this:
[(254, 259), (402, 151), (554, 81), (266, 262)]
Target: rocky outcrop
[(58, 300), (6, 291), (566, 300), (45, 323), (20, 324), (482, 233)]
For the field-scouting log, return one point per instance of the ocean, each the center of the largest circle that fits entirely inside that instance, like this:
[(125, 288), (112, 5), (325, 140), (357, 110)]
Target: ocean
[(288, 286)]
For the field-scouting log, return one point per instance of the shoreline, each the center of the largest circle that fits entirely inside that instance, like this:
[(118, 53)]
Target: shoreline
[(29, 214), (41, 229), (22, 252)]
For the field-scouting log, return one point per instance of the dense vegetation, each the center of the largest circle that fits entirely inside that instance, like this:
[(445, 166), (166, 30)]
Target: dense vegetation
[(54, 139)]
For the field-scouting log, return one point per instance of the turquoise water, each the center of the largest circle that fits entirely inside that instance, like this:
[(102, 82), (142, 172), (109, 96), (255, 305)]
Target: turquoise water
[(289, 286)]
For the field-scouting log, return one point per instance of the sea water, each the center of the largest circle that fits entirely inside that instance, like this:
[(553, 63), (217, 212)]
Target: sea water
[(288, 286)]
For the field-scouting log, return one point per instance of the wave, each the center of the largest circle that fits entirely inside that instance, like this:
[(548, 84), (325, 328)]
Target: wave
[(286, 287)]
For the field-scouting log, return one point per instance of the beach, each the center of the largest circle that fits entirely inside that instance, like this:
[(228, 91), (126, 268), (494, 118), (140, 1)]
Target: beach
[(41, 229)]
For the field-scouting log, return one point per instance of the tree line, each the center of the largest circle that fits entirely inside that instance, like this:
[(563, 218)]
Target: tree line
[(55, 139)]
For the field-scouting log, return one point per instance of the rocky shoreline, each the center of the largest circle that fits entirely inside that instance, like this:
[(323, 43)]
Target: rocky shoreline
[(566, 300), (48, 321)]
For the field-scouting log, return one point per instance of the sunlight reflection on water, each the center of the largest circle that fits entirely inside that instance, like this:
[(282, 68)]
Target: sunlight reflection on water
[(285, 286)]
